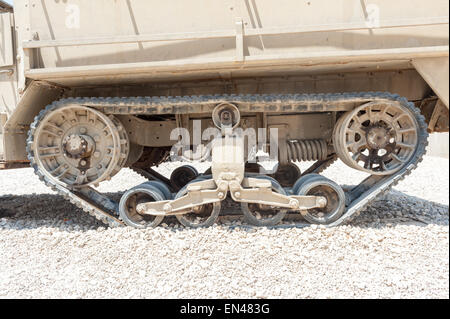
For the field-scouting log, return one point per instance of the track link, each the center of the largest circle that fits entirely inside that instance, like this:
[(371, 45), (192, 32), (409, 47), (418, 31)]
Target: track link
[(106, 210)]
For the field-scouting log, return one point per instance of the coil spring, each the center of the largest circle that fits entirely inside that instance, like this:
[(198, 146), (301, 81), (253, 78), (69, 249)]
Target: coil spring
[(307, 150)]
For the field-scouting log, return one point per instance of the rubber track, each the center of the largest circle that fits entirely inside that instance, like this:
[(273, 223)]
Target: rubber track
[(276, 103), (103, 215)]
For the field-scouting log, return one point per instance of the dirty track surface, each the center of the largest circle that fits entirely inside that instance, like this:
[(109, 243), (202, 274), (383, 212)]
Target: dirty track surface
[(398, 247)]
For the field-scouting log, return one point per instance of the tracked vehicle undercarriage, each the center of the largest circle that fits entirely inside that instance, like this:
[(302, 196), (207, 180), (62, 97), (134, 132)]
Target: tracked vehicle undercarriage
[(74, 144), (237, 85)]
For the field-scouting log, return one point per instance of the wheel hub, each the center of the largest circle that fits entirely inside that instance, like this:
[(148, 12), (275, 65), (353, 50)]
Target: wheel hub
[(78, 146), (377, 137)]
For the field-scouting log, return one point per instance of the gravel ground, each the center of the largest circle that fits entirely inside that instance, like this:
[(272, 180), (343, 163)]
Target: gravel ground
[(398, 247)]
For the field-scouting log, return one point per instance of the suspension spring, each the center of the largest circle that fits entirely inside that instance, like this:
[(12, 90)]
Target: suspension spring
[(307, 150)]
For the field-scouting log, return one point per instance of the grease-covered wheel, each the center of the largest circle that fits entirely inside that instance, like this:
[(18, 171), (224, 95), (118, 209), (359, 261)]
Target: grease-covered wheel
[(264, 215)]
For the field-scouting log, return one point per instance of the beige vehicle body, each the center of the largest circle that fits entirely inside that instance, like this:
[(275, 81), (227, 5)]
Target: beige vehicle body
[(308, 68), (51, 49)]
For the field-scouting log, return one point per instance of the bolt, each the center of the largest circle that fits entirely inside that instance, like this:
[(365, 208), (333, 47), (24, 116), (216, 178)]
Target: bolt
[(293, 203), (96, 154), (220, 194), (223, 187), (73, 121), (83, 162), (237, 194), (322, 202), (99, 166), (83, 130), (167, 208)]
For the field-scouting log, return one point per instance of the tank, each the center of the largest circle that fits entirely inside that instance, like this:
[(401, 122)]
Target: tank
[(91, 87)]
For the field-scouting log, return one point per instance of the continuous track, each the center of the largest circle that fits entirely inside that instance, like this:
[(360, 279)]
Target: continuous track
[(106, 210)]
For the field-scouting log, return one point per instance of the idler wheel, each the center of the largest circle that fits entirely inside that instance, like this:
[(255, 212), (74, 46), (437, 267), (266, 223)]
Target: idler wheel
[(147, 192), (317, 185)]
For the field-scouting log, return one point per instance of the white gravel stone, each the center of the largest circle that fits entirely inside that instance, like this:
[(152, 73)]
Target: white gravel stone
[(397, 248)]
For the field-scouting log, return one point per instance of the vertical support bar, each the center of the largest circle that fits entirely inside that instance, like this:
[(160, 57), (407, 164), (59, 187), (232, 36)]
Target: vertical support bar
[(239, 40), (22, 17)]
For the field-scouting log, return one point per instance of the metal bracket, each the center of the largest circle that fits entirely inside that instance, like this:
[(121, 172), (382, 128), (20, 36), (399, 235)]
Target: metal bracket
[(208, 191), (439, 118), (239, 40), (8, 72)]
